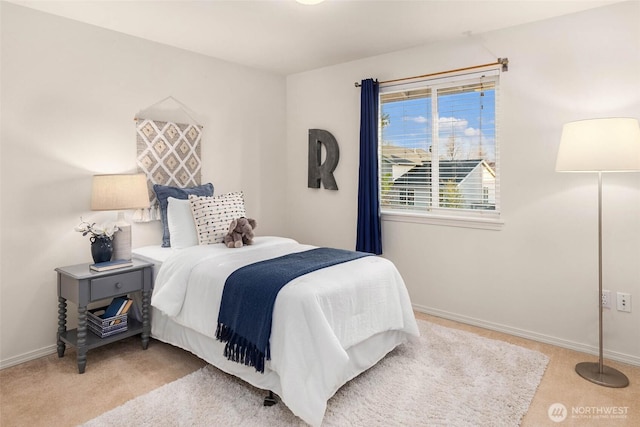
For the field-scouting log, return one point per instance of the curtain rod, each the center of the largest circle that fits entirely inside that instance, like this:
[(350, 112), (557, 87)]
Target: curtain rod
[(501, 61)]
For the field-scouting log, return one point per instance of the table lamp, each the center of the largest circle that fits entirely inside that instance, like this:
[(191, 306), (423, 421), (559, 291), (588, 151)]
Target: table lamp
[(119, 193)]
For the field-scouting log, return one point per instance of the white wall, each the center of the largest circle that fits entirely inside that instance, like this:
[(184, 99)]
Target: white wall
[(537, 277), (69, 93)]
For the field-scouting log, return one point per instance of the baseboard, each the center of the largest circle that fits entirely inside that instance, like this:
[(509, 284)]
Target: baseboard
[(26, 357), (547, 339)]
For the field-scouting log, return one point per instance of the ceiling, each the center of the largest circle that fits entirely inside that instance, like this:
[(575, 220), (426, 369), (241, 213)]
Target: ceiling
[(285, 37)]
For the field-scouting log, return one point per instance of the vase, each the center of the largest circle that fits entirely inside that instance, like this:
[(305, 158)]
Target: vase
[(101, 249)]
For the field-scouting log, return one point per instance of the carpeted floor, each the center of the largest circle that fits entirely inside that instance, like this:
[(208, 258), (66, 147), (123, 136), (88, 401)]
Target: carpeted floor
[(49, 392), (447, 376)]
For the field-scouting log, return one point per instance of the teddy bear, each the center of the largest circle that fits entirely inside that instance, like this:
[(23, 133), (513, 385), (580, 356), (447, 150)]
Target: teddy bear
[(240, 232)]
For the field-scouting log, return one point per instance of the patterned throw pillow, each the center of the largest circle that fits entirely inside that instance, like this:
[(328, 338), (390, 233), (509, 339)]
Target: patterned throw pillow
[(213, 215)]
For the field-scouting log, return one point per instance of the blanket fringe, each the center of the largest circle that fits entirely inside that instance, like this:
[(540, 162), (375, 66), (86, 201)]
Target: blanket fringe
[(238, 349)]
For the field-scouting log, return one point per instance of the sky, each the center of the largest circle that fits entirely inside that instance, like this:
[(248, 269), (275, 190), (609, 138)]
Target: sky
[(460, 121)]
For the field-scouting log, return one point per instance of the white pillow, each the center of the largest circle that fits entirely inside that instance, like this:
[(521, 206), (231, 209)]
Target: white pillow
[(182, 228), (212, 215)]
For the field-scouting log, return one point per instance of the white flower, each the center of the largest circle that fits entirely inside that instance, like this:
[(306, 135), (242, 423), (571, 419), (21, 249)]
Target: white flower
[(82, 227), (99, 231)]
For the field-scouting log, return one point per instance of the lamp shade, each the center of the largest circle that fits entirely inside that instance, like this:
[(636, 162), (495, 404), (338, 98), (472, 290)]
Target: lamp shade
[(119, 192), (600, 145)]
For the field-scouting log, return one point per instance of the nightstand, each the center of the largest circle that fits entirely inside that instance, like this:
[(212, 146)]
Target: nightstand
[(81, 285)]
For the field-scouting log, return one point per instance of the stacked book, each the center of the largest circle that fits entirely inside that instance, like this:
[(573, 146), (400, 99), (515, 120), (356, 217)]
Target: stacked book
[(110, 320), (111, 265)]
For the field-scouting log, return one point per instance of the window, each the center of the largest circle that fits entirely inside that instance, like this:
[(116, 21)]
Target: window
[(439, 150)]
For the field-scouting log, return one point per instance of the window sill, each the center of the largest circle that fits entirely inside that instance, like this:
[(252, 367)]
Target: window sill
[(449, 221)]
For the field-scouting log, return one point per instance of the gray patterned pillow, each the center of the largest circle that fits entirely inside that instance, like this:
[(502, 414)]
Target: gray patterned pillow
[(212, 215)]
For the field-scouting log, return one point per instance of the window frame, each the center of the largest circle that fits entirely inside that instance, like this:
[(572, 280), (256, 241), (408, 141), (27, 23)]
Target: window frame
[(481, 219)]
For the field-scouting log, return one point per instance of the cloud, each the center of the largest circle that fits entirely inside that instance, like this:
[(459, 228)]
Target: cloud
[(471, 132), (418, 119), (453, 122), (469, 142)]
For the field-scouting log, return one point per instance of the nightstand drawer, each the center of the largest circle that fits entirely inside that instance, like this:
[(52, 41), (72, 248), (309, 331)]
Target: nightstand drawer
[(106, 287)]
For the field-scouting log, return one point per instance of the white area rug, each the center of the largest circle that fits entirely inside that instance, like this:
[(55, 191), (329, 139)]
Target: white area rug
[(447, 377)]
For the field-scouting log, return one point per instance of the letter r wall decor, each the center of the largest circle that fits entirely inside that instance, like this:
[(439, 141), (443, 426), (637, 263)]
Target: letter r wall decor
[(322, 171)]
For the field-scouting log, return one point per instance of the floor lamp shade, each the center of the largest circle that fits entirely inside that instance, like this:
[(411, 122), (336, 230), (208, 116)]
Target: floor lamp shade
[(119, 193), (600, 145)]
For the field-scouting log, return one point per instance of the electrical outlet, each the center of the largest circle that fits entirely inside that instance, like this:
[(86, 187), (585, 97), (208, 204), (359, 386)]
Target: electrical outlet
[(624, 302), (606, 299)]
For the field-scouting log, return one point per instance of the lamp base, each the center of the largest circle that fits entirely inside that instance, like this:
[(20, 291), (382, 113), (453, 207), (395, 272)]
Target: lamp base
[(609, 377), (122, 239)]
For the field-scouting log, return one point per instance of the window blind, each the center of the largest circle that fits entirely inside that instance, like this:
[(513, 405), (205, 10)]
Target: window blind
[(439, 146)]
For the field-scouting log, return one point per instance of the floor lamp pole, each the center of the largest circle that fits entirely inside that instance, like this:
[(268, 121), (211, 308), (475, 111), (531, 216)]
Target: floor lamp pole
[(600, 309), (599, 373)]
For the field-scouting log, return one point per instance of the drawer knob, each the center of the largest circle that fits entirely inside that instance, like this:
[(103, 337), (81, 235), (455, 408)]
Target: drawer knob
[(118, 285)]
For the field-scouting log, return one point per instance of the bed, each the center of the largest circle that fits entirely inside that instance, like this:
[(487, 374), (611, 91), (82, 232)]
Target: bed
[(328, 326)]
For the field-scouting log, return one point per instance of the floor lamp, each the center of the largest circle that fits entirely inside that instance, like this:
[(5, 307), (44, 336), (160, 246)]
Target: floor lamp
[(118, 193), (600, 145)]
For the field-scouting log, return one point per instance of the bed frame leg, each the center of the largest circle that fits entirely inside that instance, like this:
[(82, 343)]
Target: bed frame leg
[(270, 400)]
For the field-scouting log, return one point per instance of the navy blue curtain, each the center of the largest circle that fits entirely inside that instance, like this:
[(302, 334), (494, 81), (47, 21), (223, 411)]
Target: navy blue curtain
[(369, 235)]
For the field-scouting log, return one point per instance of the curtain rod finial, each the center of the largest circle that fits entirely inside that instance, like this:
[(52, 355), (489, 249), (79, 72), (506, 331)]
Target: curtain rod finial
[(356, 84), (505, 63)]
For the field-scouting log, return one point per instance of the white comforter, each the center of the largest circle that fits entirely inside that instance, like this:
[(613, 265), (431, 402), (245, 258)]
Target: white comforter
[(317, 317)]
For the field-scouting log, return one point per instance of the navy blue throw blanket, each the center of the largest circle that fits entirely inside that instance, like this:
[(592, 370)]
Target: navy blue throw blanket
[(249, 295)]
